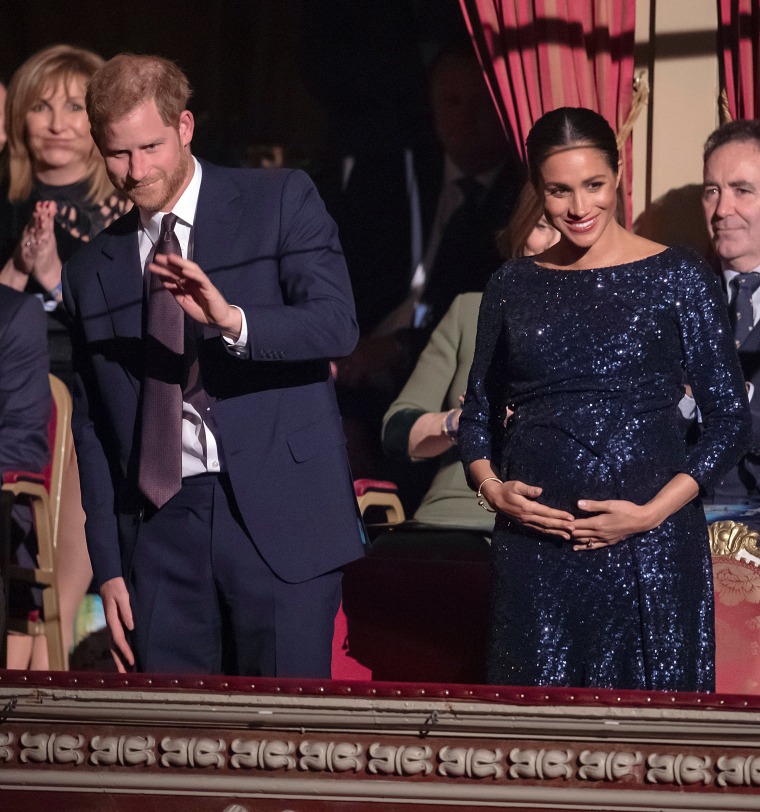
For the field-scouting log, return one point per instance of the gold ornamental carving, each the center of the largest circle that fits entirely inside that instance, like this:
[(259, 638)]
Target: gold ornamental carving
[(729, 537)]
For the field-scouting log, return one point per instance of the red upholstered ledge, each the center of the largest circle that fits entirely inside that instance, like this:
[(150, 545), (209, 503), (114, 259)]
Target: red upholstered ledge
[(361, 486), (11, 477), (512, 695)]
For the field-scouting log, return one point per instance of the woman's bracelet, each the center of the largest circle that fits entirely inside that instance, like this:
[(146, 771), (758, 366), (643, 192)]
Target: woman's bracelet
[(447, 426), (481, 501)]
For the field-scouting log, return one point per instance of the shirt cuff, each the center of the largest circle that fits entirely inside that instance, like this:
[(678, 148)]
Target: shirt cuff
[(688, 407), (239, 348)]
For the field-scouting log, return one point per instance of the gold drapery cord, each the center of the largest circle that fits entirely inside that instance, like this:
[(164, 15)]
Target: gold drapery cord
[(725, 112), (638, 103)]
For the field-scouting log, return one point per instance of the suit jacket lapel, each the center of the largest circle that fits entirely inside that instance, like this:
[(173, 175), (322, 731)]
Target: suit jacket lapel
[(121, 280), (121, 277), (752, 342)]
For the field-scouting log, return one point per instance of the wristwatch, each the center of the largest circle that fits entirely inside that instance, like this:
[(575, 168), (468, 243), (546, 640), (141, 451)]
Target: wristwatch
[(448, 425)]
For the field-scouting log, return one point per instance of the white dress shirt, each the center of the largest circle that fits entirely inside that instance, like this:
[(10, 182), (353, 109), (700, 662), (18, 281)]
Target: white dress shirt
[(201, 451)]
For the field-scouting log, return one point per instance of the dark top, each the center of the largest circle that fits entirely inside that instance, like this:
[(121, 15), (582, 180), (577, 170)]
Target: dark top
[(77, 221), (592, 363)]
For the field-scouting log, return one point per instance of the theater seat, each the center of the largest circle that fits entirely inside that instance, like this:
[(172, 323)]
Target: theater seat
[(377, 493), (737, 607), (43, 492)]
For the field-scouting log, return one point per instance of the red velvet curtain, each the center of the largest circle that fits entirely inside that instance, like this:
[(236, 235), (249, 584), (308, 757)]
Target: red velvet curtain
[(739, 42), (538, 55)]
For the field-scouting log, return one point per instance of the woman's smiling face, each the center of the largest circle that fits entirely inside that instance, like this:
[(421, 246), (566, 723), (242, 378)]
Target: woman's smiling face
[(579, 193), (58, 130)]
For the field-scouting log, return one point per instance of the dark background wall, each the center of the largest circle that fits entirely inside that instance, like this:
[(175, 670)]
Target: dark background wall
[(239, 56), (320, 76)]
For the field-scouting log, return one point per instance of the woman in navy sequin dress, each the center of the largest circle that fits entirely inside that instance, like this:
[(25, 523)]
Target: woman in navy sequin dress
[(600, 559)]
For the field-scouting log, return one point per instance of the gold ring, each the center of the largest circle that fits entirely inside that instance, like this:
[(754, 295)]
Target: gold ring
[(589, 544)]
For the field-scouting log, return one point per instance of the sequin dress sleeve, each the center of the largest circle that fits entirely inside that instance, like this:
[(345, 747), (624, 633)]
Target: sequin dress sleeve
[(481, 424), (713, 371)]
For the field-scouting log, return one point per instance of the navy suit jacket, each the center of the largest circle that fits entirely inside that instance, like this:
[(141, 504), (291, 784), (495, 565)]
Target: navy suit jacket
[(24, 386), (266, 241)]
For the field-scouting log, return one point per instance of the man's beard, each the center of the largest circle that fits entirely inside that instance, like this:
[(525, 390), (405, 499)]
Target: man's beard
[(159, 190)]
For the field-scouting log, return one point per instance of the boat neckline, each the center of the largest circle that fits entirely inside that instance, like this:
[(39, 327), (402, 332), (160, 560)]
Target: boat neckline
[(535, 264)]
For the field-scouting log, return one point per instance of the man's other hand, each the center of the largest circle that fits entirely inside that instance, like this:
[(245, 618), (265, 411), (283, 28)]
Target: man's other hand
[(118, 614), (196, 295)]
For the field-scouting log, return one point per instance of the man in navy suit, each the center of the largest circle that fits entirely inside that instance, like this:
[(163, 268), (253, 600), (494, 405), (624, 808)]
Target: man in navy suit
[(24, 386), (238, 569), (731, 201), (24, 399)]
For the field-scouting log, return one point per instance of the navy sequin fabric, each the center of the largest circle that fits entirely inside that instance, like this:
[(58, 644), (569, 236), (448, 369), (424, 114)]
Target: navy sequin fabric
[(593, 363)]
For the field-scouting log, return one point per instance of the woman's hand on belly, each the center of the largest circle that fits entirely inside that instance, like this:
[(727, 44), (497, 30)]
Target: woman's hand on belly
[(518, 500), (617, 519), (614, 521)]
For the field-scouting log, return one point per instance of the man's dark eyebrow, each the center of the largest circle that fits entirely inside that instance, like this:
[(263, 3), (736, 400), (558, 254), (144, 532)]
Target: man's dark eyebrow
[(733, 184)]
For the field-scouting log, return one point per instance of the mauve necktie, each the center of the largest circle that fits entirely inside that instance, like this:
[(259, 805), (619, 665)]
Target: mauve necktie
[(160, 475), (740, 311)]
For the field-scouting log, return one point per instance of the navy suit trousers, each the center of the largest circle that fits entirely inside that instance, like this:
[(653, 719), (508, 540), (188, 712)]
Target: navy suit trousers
[(205, 602)]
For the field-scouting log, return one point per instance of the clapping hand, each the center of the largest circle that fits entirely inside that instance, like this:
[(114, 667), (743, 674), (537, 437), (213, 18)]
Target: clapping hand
[(47, 262), (37, 252)]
